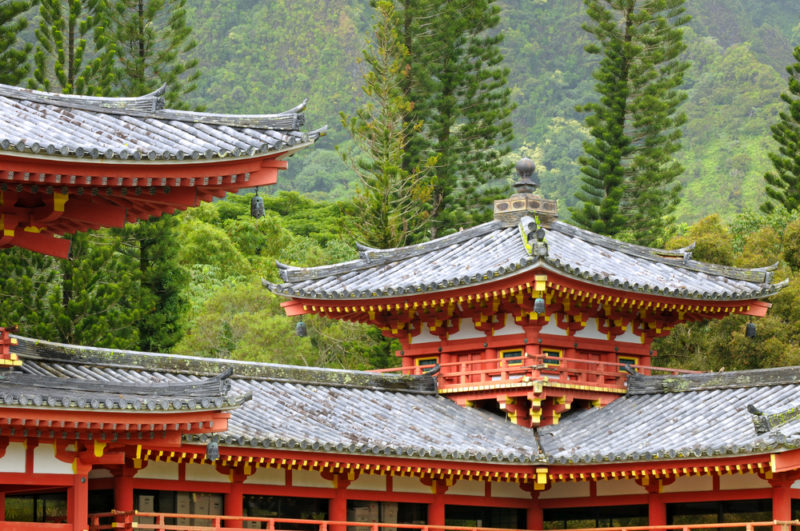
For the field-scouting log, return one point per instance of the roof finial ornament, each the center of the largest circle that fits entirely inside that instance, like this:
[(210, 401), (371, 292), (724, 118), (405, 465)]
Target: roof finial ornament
[(527, 183)]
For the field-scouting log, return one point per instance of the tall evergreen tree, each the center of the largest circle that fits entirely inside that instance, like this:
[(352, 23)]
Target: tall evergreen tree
[(74, 53), (629, 170), (153, 38), (458, 84), (391, 202), (783, 184), (14, 64)]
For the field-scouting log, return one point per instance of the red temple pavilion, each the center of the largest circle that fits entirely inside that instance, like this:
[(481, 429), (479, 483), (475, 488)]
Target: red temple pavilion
[(524, 318)]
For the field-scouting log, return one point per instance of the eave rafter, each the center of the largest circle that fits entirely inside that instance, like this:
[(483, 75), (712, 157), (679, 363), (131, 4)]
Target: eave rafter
[(570, 302), (41, 199)]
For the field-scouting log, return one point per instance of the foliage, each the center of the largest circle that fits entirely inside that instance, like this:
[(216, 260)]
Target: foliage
[(14, 64), (458, 87), (783, 184), (629, 167), (391, 202), (153, 42), (64, 54), (719, 344), (91, 299), (153, 246)]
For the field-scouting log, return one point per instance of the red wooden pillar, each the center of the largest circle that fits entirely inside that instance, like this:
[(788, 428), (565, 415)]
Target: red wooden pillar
[(781, 500), (78, 499), (337, 508), (2, 506), (234, 500), (534, 514), (657, 509), (436, 508), (123, 489)]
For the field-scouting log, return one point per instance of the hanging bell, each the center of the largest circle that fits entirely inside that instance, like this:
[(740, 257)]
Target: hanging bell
[(300, 329), (257, 207), (212, 450), (538, 306), (750, 330)]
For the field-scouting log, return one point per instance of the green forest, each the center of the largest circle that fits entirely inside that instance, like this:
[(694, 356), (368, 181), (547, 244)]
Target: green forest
[(191, 283)]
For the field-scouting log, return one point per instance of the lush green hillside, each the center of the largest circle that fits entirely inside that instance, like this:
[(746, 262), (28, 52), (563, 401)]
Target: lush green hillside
[(266, 56)]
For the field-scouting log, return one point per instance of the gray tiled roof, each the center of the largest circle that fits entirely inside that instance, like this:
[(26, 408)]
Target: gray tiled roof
[(307, 408), (688, 416), (494, 250), (86, 127), (50, 392)]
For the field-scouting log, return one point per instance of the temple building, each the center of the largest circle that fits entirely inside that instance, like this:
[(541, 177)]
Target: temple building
[(528, 396), (525, 315)]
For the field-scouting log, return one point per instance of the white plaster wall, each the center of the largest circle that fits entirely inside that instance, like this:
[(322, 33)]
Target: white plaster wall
[(45, 462), (203, 472), (570, 489), (468, 487), (409, 484), (309, 478), (552, 328), (690, 484), (466, 330), (267, 476), (742, 481), (590, 331), (100, 473), (628, 336), (505, 489), (158, 470), (619, 487), (424, 336), (14, 460), (510, 328), (369, 482)]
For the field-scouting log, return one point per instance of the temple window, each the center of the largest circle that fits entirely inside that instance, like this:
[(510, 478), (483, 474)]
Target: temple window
[(49, 507), (719, 511), (287, 507), (586, 517), (471, 516), (512, 357)]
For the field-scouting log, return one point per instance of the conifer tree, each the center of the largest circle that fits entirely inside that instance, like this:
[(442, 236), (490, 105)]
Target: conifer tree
[(391, 202), (783, 184), (629, 171), (13, 56), (74, 54), (458, 84), (153, 38)]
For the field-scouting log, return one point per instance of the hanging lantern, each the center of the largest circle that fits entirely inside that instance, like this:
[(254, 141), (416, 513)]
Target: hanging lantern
[(538, 306), (212, 450), (257, 206)]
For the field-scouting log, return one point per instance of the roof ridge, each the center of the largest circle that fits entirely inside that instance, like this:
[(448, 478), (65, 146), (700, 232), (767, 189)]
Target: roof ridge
[(761, 275), (370, 257), (639, 384), (40, 350), (152, 105)]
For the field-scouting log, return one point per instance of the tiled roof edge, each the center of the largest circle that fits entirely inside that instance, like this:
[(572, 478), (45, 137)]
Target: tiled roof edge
[(35, 349), (371, 257), (640, 385), (760, 275), (152, 106)]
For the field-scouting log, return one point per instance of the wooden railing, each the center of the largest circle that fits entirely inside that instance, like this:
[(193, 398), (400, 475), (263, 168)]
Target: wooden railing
[(528, 368), (190, 522), (37, 526)]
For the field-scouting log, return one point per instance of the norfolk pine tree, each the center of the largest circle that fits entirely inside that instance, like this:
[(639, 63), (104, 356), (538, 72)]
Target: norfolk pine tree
[(73, 54), (629, 171), (392, 202), (783, 184), (458, 85), (13, 56), (153, 38)]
